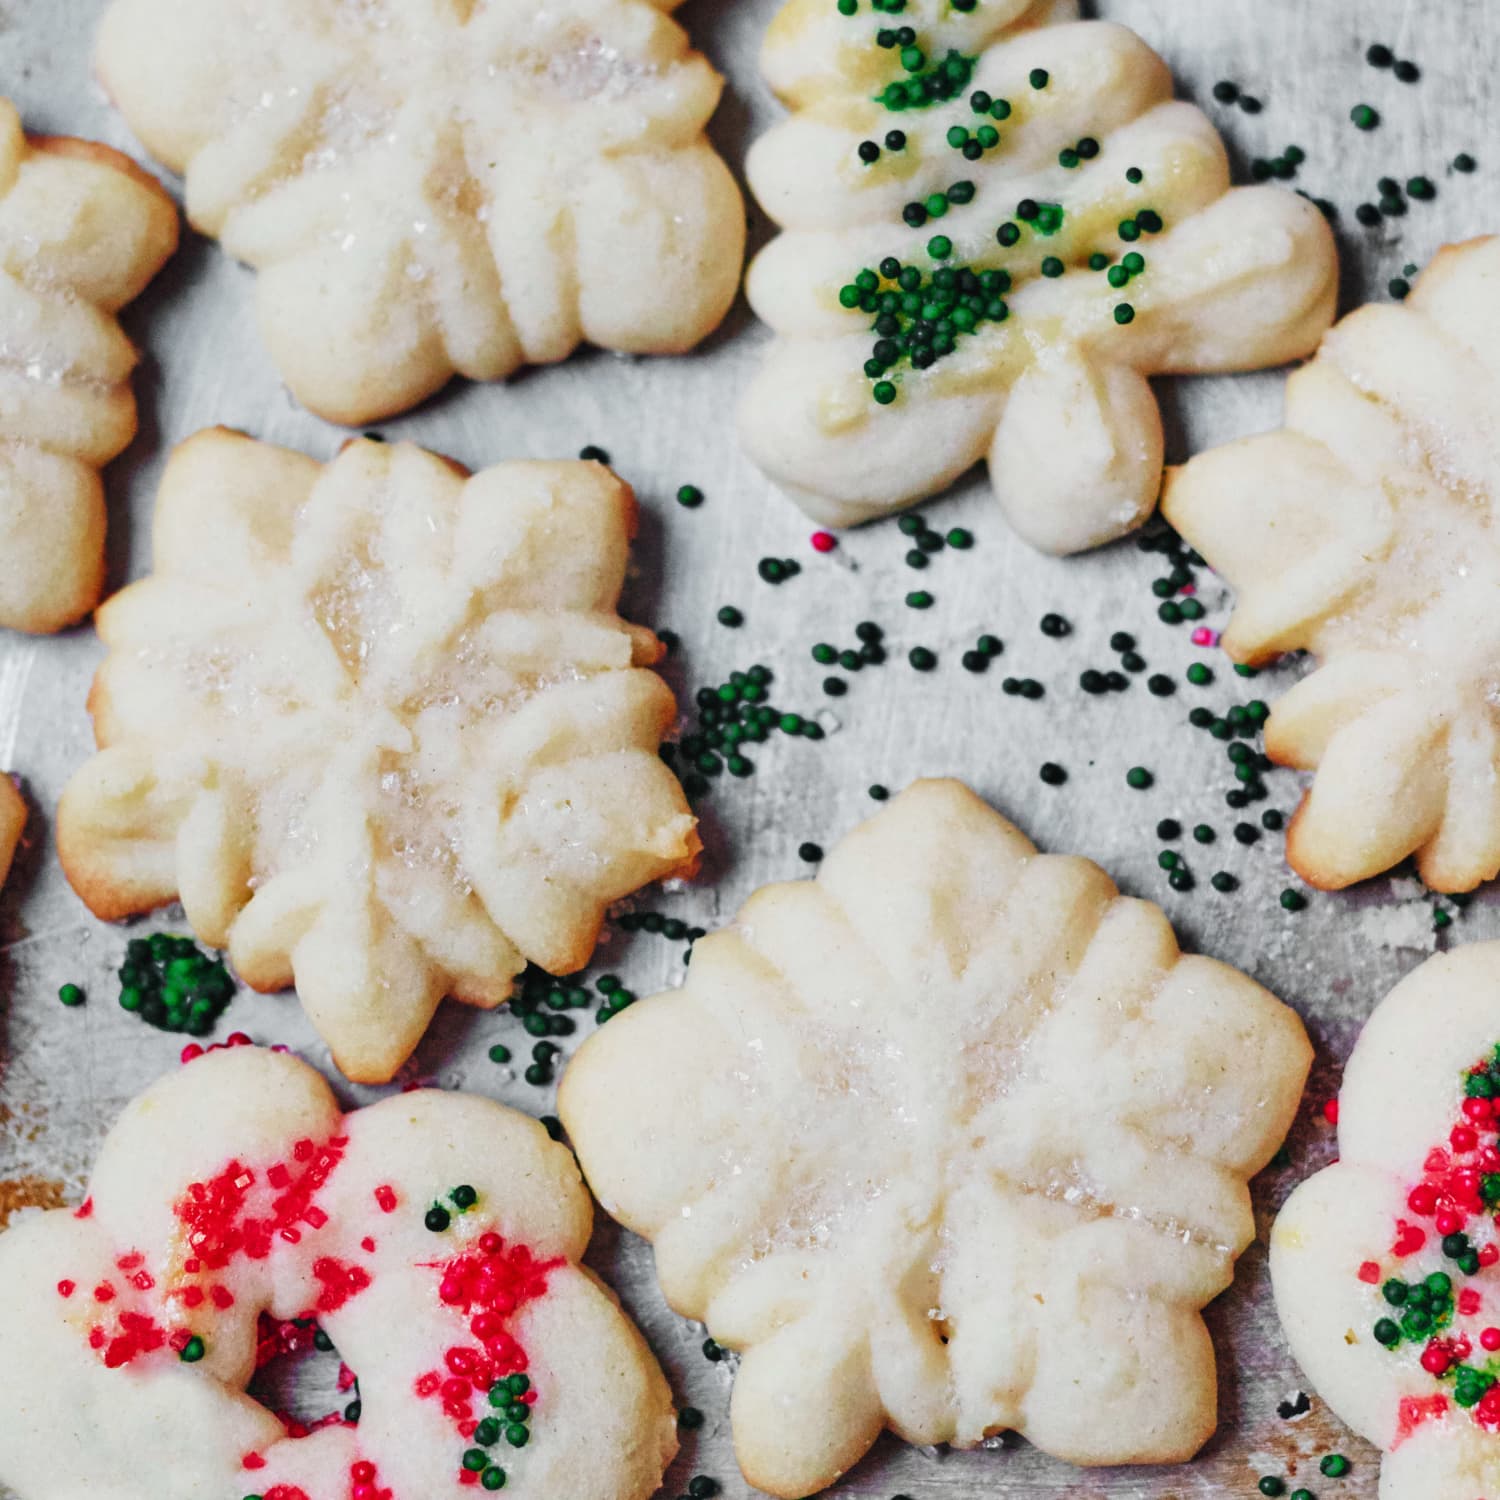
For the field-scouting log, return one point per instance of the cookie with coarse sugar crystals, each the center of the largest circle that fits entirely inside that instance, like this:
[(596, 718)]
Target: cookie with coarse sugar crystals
[(379, 726), (82, 232), (1363, 533), (1385, 1264), (433, 1237), (997, 224), (432, 188), (957, 1141)]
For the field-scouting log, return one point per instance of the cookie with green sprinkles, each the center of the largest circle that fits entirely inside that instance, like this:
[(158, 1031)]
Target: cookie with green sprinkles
[(933, 307), (888, 967), (1386, 1266), (1351, 534), (431, 1242), (383, 816)]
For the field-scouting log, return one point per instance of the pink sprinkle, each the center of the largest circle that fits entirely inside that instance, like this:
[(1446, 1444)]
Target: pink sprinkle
[(281, 1047), (1331, 1111), (1188, 588), (1203, 636), (824, 541)]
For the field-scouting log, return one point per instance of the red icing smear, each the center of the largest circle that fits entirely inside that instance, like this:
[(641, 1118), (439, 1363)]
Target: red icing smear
[(1414, 1411), (487, 1285)]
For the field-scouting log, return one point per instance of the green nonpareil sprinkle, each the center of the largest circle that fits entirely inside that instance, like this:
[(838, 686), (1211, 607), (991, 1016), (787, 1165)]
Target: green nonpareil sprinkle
[(690, 496), (70, 994)]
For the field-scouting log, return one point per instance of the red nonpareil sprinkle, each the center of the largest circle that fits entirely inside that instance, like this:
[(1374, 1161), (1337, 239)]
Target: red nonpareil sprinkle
[(66, 1288), (1331, 1111), (190, 1053), (1369, 1273), (252, 1461), (1490, 1339), (1463, 1139), (1422, 1200), (1489, 1254), (284, 1491), (824, 541), (1409, 1239), (1203, 636), (104, 1292), (339, 1282), (237, 1039), (385, 1196), (367, 1245)]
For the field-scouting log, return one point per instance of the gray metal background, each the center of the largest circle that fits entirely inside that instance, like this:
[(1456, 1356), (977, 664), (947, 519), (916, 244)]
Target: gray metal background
[(67, 1072)]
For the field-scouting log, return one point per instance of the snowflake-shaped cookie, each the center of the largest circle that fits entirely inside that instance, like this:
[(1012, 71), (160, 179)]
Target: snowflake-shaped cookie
[(433, 188), (1387, 1265), (434, 1237), (956, 1141), (82, 231), (12, 823), (379, 727), (996, 229), (1363, 533)]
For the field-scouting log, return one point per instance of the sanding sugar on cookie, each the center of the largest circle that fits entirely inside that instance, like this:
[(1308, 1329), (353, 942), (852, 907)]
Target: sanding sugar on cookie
[(430, 188), (433, 1238), (1364, 533), (380, 728), (997, 224), (956, 1140), (82, 232)]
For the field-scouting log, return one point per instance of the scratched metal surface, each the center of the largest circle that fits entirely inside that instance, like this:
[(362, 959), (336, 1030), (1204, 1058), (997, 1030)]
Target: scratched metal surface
[(65, 1073)]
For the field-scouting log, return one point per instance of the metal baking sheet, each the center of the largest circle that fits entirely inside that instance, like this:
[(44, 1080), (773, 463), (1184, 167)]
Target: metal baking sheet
[(65, 1073)]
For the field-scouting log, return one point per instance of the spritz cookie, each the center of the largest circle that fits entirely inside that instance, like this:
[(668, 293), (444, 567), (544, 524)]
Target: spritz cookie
[(995, 229), (379, 727), (82, 231), (1363, 532), (433, 1237), (430, 188), (1385, 1264), (12, 823), (950, 1140)]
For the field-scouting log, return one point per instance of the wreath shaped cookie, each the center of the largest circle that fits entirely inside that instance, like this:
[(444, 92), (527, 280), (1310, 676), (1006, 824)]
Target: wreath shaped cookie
[(434, 1237), (957, 1141), (12, 823), (82, 231), (380, 728), (431, 188), (1362, 533), (1385, 1265), (995, 229)]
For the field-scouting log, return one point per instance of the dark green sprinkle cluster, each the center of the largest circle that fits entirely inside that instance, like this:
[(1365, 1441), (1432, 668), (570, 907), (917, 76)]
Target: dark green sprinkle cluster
[(926, 542), (173, 984), (925, 85), (674, 929), (1419, 1309), (1169, 588), (1283, 168), (1227, 92), (920, 316), (730, 717), (459, 1200), (1378, 55)]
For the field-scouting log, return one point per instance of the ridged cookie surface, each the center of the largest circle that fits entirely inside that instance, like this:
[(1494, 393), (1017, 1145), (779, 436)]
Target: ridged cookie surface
[(997, 225), (82, 231), (956, 1140), (380, 728), (1364, 532), (432, 188)]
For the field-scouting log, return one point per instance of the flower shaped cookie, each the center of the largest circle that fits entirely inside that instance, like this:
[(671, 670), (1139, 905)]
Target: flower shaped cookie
[(1363, 533), (433, 188), (82, 231), (996, 229), (955, 1141), (12, 823), (380, 728), (434, 1237), (1387, 1265)]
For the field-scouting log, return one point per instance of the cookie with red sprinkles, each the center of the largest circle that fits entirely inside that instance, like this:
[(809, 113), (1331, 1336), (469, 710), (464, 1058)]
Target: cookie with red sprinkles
[(1385, 1265), (235, 1215)]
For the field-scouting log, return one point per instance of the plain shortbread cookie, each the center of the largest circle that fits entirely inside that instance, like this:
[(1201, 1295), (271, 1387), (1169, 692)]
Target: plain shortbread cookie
[(12, 823), (380, 727), (1049, 384), (1363, 532), (235, 1188), (1418, 1154), (955, 1141), (431, 188), (82, 231)]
